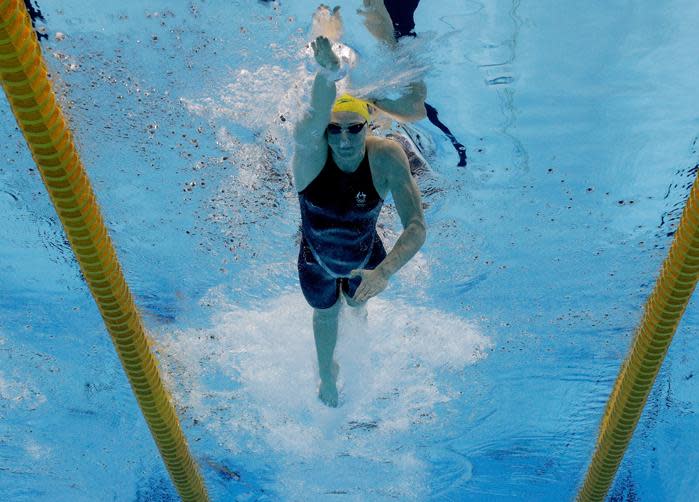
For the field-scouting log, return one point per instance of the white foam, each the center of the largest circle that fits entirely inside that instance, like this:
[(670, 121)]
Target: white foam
[(268, 100), (252, 379), (383, 73)]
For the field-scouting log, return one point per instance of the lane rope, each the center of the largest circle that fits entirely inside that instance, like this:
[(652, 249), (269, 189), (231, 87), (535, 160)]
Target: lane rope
[(661, 316), (33, 102)]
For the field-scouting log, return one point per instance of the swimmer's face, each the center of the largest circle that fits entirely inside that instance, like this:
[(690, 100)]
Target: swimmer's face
[(346, 134)]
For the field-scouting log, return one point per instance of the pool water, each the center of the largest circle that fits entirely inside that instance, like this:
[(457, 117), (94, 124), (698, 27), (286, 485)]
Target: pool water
[(484, 368)]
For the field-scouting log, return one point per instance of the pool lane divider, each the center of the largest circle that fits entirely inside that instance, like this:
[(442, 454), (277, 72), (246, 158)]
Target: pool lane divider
[(661, 316), (26, 84)]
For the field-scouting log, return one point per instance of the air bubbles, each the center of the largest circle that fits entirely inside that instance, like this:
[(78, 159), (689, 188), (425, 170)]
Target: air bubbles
[(251, 380)]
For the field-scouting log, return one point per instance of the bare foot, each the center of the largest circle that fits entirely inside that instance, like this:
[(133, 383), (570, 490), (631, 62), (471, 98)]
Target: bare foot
[(328, 387), (327, 23)]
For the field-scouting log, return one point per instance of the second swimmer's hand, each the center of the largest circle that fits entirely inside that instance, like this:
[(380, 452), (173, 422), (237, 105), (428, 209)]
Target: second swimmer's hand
[(323, 52), (373, 282)]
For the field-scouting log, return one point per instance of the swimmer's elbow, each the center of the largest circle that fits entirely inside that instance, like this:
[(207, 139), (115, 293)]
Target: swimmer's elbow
[(423, 234), (420, 112), (419, 231)]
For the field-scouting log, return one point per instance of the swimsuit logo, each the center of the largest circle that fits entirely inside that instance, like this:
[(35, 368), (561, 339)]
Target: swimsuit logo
[(361, 199)]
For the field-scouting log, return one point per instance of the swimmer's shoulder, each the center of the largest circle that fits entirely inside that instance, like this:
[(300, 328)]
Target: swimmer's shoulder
[(387, 161), (385, 154)]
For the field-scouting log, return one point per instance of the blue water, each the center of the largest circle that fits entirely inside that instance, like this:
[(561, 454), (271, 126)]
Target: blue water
[(485, 367)]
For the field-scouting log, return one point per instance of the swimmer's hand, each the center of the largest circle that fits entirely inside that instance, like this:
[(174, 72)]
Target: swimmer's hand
[(373, 282), (323, 52)]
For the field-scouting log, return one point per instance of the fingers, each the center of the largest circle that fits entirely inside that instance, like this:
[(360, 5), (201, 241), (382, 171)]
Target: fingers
[(360, 293), (364, 292), (368, 287)]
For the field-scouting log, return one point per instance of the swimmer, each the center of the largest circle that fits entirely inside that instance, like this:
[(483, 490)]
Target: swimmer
[(389, 116), (389, 21), (343, 175)]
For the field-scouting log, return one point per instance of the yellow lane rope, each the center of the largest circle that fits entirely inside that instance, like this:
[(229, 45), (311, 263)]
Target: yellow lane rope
[(25, 81), (678, 278)]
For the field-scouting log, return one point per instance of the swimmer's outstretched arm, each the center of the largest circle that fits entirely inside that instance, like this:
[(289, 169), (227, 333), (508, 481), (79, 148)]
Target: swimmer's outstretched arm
[(323, 93), (309, 134)]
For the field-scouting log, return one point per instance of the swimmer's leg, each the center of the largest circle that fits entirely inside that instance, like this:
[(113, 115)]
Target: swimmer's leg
[(325, 334), (460, 149), (402, 12), (322, 293)]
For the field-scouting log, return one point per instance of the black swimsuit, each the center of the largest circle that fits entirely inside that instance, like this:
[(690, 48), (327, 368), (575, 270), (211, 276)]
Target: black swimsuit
[(338, 226)]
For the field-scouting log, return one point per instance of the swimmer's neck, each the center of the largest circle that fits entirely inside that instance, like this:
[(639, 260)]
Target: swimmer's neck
[(349, 164)]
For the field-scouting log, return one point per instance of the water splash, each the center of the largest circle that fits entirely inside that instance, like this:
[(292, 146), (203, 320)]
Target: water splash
[(251, 378), (384, 73)]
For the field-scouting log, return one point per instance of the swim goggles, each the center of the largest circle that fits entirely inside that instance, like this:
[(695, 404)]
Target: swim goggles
[(351, 129)]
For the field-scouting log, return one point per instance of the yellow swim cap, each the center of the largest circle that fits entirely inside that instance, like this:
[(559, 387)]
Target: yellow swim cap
[(347, 103)]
